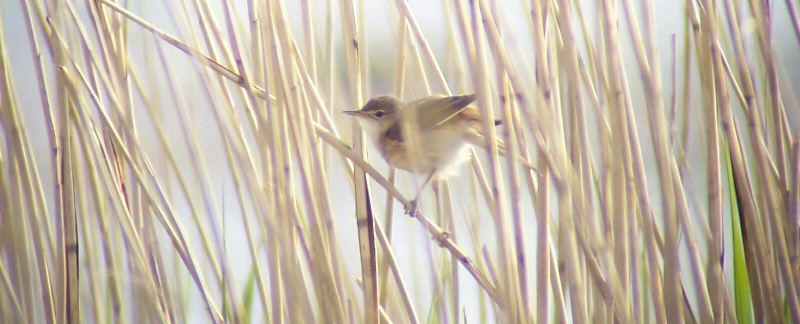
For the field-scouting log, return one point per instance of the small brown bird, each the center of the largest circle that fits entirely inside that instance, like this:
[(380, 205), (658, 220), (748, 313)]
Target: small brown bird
[(429, 135)]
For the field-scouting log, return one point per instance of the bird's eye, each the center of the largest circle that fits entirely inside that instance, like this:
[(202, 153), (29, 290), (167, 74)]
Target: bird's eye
[(380, 113)]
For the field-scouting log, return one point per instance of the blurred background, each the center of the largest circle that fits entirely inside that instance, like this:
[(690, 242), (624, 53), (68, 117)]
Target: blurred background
[(163, 162)]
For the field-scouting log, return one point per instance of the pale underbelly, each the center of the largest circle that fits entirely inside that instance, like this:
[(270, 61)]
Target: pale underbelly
[(439, 152)]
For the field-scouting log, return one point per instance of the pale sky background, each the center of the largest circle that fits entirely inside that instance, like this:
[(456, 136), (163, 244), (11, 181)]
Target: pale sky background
[(380, 45)]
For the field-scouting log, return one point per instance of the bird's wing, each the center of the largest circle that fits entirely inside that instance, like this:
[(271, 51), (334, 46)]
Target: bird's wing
[(432, 111)]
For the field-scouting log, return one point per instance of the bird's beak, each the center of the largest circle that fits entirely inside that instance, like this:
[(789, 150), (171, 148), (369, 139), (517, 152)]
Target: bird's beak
[(353, 113)]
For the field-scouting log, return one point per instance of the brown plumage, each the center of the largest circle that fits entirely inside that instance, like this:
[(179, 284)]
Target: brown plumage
[(443, 124), (429, 135)]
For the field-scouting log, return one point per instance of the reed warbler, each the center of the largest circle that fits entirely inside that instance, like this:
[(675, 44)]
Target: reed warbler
[(429, 135)]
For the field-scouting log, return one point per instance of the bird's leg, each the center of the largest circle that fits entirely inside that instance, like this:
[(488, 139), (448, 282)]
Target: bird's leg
[(412, 209)]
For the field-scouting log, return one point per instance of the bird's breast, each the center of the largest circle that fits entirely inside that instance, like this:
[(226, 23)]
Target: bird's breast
[(439, 149)]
